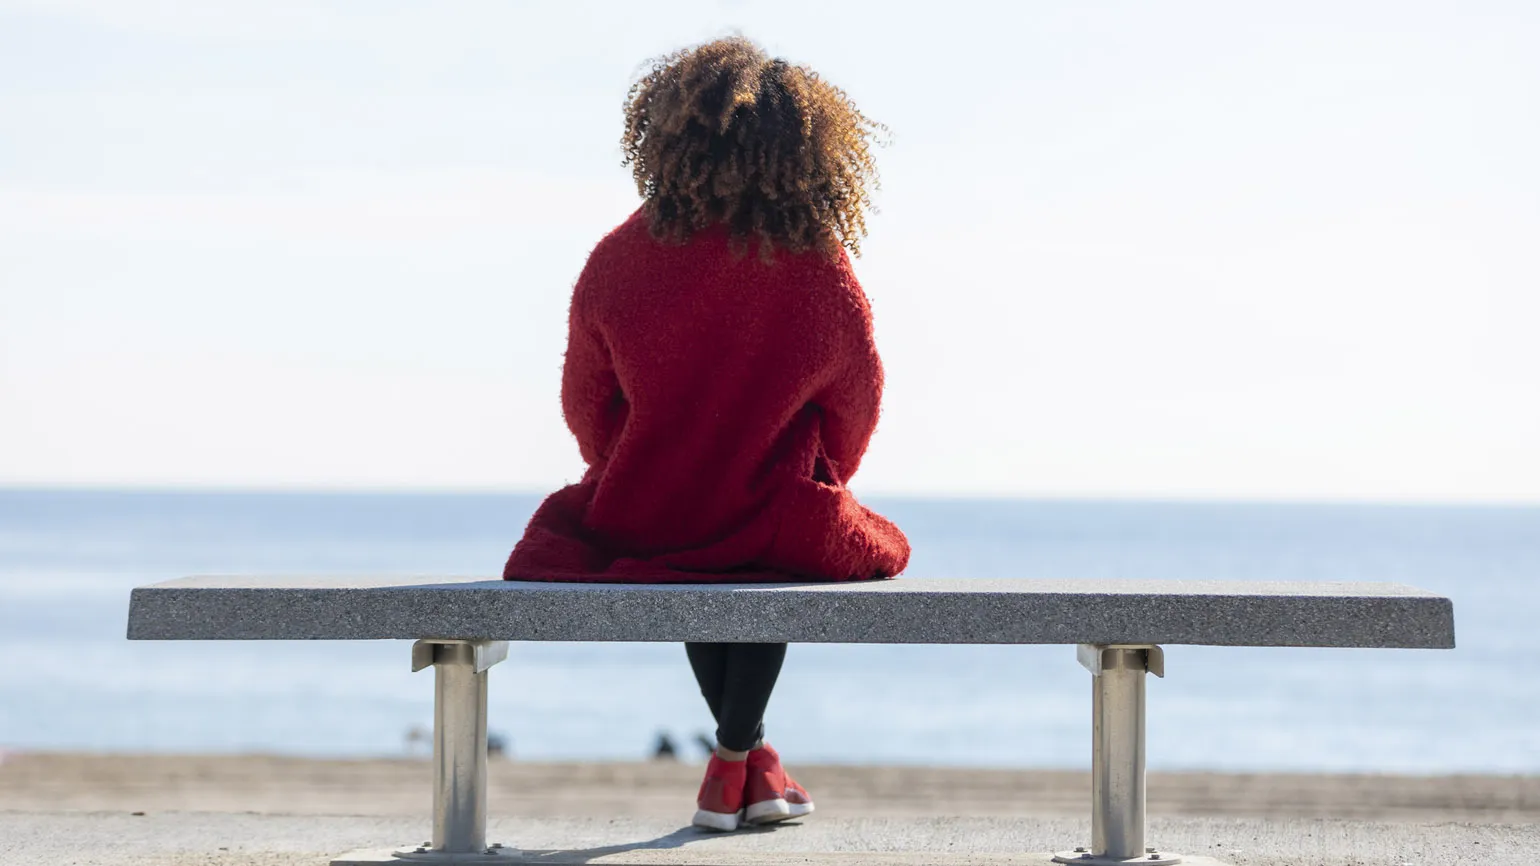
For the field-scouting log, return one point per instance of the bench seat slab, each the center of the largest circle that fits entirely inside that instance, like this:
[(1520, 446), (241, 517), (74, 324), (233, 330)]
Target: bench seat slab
[(907, 610)]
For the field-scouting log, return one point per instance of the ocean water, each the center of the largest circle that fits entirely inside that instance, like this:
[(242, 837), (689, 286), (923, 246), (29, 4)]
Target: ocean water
[(69, 679)]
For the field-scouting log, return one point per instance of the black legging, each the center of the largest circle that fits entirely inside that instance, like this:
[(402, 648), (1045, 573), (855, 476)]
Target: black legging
[(736, 680)]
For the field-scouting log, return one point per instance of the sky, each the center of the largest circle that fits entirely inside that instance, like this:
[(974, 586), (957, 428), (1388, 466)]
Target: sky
[(1173, 250)]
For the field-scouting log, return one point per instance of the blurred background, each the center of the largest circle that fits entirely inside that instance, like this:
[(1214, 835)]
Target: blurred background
[(1179, 290)]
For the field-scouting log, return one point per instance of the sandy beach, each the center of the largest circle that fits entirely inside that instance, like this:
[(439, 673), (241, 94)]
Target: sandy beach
[(62, 782)]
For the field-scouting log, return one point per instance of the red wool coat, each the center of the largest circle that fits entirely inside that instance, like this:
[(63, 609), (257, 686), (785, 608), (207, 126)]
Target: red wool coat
[(721, 405)]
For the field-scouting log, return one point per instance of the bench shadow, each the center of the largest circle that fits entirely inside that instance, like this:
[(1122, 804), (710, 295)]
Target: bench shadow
[(677, 839)]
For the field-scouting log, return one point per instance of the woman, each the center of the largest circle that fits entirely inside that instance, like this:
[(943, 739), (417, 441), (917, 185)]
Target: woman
[(721, 377)]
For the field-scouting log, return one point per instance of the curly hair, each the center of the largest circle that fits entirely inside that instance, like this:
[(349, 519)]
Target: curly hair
[(723, 134)]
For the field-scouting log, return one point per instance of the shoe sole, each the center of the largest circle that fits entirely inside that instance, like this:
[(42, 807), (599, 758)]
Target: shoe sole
[(772, 811), (721, 822)]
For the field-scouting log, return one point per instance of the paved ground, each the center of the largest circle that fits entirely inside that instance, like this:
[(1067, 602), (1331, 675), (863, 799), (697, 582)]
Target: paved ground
[(221, 839)]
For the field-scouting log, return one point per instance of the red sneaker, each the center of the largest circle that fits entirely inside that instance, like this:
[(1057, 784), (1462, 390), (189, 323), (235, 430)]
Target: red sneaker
[(720, 800), (772, 794)]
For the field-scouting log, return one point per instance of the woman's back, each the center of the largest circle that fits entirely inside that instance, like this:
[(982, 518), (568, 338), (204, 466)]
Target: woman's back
[(718, 357), (713, 394)]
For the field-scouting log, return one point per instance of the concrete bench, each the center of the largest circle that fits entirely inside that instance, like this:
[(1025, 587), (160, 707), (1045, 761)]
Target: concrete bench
[(461, 628)]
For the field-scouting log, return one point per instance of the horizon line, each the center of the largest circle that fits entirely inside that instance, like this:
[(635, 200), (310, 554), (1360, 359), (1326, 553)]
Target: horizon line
[(305, 489)]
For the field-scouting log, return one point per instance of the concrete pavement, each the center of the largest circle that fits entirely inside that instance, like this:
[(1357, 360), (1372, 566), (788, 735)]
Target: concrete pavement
[(244, 839)]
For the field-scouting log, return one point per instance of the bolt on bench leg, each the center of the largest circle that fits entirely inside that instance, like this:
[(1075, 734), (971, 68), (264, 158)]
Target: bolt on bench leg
[(1117, 756), (459, 757)]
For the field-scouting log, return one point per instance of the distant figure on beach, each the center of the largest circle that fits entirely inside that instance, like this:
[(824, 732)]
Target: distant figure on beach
[(416, 736), (664, 749), (721, 377), (497, 746)]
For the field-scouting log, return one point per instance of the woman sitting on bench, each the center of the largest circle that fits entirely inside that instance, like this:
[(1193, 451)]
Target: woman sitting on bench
[(721, 377)]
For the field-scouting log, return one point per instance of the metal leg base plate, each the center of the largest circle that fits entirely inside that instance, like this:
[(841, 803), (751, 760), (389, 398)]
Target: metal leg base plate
[(1083, 857), (424, 855)]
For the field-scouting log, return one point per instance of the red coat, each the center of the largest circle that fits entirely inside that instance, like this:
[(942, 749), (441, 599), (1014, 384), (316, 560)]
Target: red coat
[(721, 405)]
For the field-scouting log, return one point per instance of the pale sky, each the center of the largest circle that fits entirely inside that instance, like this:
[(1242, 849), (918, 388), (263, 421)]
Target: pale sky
[(1170, 249)]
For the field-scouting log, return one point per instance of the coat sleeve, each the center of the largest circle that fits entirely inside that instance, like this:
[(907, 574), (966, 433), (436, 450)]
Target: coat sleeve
[(852, 392), (591, 398)]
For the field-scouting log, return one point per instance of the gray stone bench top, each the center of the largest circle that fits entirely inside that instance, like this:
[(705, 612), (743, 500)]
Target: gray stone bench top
[(906, 610)]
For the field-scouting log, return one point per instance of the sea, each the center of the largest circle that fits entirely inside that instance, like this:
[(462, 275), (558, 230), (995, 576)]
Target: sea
[(69, 680)]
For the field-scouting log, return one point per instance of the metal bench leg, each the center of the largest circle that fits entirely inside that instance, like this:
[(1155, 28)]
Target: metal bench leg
[(1117, 756), (459, 756)]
